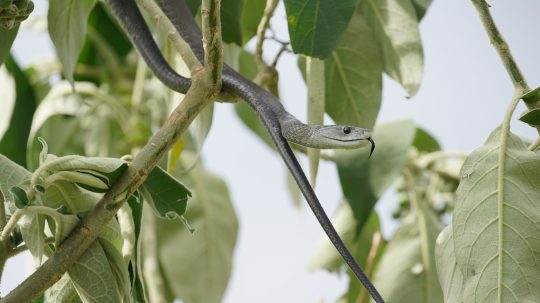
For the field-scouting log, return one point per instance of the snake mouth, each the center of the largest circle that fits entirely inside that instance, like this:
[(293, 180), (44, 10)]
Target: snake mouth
[(372, 146)]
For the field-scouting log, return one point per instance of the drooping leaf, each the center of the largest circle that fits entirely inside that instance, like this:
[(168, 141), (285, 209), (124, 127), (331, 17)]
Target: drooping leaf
[(425, 142), (450, 276), (31, 227), (67, 21), (12, 175), (119, 269), (316, 26), (406, 271), (211, 246), (531, 117), (353, 76), (396, 28), (6, 40), (495, 223), (93, 278), (62, 291), (364, 180), (251, 16), (13, 142), (168, 197), (316, 99)]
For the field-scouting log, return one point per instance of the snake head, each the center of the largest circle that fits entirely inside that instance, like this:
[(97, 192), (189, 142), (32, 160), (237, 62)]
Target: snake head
[(341, 136)]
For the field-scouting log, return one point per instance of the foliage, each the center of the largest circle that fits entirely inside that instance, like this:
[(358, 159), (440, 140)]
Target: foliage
[(463, 236)]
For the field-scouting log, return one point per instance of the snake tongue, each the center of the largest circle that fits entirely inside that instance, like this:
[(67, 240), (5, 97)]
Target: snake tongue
[(372, 146)]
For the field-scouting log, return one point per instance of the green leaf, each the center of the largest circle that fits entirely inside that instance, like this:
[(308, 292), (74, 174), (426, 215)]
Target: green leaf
[(353, 76), (316, 26), (6, 40), (532, 96), (425, 142), (406, 271), (93, 278), (420, 7), (396, 27), (200, 274), (327, 257), (251, 16), (168, 197), (62, 291), (31, 227), (119, 269), (450, 276), (67, 20), (495, 227), (531, 117), (13, 142), (315, 84), (364, 180), (231, 18), (12, 175)]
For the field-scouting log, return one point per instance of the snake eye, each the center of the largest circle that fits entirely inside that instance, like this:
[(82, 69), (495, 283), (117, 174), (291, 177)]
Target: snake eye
[(347, 130)]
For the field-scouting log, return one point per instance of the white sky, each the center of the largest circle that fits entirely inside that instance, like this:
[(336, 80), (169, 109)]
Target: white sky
[(463, 97)]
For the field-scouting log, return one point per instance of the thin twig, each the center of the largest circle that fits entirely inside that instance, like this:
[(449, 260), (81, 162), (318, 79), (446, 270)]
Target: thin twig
[(3, 219), (213, 49), (503, 49), (153, 279), (376, 241), (261, 30), (166, 26)]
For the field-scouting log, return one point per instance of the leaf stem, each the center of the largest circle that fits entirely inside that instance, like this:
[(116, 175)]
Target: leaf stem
[(376, 244), (19, 213), (3, 219), (261, 30), (503, 49), (156, 288), (505, 131)]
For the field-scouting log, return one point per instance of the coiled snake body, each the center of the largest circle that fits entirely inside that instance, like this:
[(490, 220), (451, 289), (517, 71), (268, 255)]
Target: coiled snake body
[(281, 125)]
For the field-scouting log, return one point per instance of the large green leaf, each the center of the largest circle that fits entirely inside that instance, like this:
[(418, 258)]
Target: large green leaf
[(14, 140), (251, 16), (6, 40), (450, 276), (316, 26), (406, 272), (62, 291), (207, 252), (425, 142), (496, 223), (168, 197), (420, 7), (67, 20), (316, 98), (353, 76), (364, 180), (396, 27)]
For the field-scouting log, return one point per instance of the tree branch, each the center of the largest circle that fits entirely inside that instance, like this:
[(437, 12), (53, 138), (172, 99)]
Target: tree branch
[(502, 48), (213, 49), (261, 30)]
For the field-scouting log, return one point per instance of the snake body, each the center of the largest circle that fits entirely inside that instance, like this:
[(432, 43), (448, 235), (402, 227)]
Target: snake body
[(281, 125)]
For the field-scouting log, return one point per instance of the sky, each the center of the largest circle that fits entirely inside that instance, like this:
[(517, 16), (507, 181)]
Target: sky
[(464, 96)]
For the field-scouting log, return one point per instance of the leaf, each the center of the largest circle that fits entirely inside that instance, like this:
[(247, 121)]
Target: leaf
[(31, 227), (20, 197), (251, 16), (200, 274), (67, 21), (316, 26), (13, 142), (450, 276), (532, 96), (364, 180), (93, 278), (327, 257), (168, 197), (396, 27), (495, 227), (420, 7), (406, 271), (531, 117), (353, 76), (425, 142), (62, 291), (119, 268), (12, 175), (315, 84), (6, 40)]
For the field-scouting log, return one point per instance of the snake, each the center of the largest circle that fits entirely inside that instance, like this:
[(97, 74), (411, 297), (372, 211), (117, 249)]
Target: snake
[(282, 126)]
